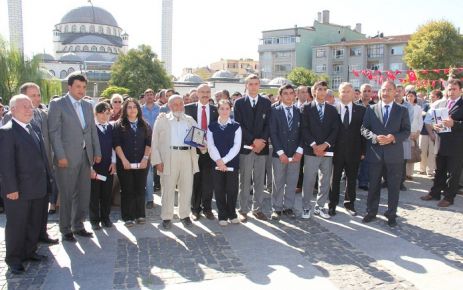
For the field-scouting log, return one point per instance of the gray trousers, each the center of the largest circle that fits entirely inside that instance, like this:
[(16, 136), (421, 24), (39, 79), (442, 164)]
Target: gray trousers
[(252, 167), (313, 165), (285, 178), (74, 189)]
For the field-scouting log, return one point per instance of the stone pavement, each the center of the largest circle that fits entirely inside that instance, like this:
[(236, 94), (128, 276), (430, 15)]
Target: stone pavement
[(424, 252)]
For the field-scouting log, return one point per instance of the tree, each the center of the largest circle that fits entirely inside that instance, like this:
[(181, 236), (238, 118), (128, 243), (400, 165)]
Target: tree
[(303, 76), (435, 45), (15, 70), (138, 70), (109, 91)]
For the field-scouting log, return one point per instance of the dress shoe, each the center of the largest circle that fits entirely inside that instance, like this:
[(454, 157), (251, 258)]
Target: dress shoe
[(275, 215), (96, 226), (209, 215), (364, 187), (166, 224), (140, 221), (83, 233), (428, 197), (243, 216), (368, 218), (409, 177), (48, 240), (391, 222), (260, 215), (403, 188), (289, 213), (195, 216), (332, 211), (37, 257), (69, 238), (186, 222), (129, 223), (149, 205), (298, 190), (444, 203), (17, 269), (51, 211), (107, 223)]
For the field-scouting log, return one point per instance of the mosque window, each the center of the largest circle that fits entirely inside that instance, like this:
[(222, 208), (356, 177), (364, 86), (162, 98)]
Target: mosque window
[(108, 30), (82, 29), (71, 48), (85, 48), (110, 50), (100, 29), (114, 31), (74, 28), (102, 49), (63, 74), (70, 70), (92, 28), (94, 48), (66, 28), (77, 48)]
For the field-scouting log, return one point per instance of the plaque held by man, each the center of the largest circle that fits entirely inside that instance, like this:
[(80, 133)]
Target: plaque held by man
[(195, 137)]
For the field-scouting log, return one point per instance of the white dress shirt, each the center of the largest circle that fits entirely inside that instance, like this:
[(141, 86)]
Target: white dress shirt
[(199, 114), (214, 152), (251, 99), (178, 131)]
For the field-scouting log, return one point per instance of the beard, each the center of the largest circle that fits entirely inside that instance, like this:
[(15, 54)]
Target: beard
[(178, 114)]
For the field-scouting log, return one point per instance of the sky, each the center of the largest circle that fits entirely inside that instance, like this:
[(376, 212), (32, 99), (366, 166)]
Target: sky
[(204, 31)]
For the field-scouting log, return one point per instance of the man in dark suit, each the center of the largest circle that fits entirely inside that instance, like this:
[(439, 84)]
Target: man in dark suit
[(25, 182), (320, 124), (386, 125), (285, 135), (348, 151), (76, 147), (203, 113), (449, 159), (252, 112)]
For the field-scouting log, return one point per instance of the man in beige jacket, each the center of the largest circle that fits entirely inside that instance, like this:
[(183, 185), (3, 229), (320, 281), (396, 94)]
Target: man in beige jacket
[(175, 161)]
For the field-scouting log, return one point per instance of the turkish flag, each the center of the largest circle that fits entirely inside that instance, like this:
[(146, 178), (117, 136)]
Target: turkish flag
[(436, 70), (397, 72), (356, 73), (390, 75), (369, 75), (446, 71), (411, 76)]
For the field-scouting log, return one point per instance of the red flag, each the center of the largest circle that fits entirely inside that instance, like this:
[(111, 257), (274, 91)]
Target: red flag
[(369, 75), (436, 70), (433, 83), (425, 71), (356, 73), (397, 72), (446, 71), (390, 75), (411, 76)]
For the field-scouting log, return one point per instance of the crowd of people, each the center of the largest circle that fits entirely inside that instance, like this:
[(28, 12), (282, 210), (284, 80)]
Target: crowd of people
[(73, 153)]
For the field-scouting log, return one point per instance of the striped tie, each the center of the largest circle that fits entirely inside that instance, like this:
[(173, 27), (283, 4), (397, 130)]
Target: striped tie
[(289, 117), (320, 111)]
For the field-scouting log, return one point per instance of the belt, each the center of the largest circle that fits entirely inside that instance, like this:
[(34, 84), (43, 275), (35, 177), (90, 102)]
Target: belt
[(180, 147)]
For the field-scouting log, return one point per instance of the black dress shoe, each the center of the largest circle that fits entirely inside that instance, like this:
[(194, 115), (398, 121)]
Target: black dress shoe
[(17, 269), (368, 218), (167, 224), (403, 188), (69, 238), (332, 211), (51, 211), (391, 222), (186, 222), (83, 233), (49, 240), (37, 257), (107, 224), (195, 216)]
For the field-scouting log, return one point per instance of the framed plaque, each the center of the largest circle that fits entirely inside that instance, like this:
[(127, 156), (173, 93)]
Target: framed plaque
[(195, 137)]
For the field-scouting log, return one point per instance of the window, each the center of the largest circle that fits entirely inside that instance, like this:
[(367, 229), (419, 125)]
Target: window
[(92, 28), (82, 29), (74, 28), (397, 50), (337, 68), (100, 29), (338, 53), (65, 48), (320, 68), (66, 28), (85, 48), (375, 66), (395, 66), (110, 50), (77, 48), (376, 50), (63, 74), (231, 65), (102, 49), (108, 30), (279, 40), (70, 70), (336, 81), (354, 67), (282, 67), (52, 72), (282, 54), (93, 48), (71, 48), (114, 31), (356, 51), (321, 52)]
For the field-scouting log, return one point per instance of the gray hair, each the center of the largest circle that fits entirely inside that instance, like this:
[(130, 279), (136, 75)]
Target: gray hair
[(173, 98), (363, 86), (345, 84), (116, 96), (329, 92), (17, 98)]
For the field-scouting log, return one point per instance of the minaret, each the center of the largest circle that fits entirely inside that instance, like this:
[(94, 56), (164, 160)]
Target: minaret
[(15, 19), (166, 35)]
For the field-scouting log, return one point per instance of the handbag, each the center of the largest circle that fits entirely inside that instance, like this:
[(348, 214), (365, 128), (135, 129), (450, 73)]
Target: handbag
[(415, 153)]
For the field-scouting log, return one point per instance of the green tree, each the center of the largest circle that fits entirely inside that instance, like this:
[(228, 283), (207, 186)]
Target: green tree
[(138, 70), (303, 76), (15, 70), (109, 91), (435, 45)]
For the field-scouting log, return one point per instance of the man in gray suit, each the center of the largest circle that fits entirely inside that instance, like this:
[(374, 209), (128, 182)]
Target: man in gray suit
[(386, 125), (76, 147), (285, 135)]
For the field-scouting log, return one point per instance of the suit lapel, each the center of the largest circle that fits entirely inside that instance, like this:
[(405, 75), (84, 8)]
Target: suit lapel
[(295, 117), (315, 111), (457, 105), (26, 136), (73, 112), (378, 112)]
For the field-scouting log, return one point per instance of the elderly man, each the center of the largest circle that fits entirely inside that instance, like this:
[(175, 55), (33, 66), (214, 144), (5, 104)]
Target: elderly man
[(25, 180), (175, 161)]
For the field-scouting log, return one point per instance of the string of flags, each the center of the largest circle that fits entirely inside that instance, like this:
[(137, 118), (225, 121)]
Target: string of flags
[(408, 76)]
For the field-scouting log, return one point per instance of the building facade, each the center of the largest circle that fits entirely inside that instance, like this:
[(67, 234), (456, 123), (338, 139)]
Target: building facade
[(282, 50), (15, 21), (166, 34), (239, 67), (340, 59)]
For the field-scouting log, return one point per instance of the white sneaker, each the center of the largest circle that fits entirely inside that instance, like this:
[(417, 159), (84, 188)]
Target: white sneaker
[(223, 223), (235, 221), (322, 212), (306, 214)]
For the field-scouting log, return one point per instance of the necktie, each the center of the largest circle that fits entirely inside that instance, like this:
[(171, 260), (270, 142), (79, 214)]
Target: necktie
[(134, 126), (204, 119), (253, 103), (78, 108), (450, 105), (345, 120), (289, 116), (33, 135), (386, 115), (104, 128), (320, 111)]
